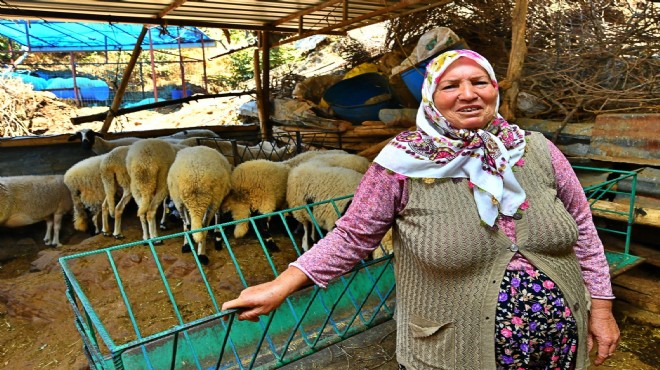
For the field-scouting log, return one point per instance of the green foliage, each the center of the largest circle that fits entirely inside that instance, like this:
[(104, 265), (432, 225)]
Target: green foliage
[(241, 68)]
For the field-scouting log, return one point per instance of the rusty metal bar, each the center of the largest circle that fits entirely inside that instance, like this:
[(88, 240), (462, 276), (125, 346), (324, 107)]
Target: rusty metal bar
[(169, 8)]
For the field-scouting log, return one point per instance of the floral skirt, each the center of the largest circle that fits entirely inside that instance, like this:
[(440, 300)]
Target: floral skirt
[(534, 327)]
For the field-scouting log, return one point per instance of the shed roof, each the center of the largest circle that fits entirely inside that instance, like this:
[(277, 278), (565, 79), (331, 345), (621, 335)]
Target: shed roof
[(37, 36), (298, 17)]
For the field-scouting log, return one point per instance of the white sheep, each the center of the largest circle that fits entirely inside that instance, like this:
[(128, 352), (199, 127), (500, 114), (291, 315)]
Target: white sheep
[(198, 181), (84, 181), (25, 200), (257, 187), (95, 141), (148, 162), (338, 158), (314, 181), (114, 173)]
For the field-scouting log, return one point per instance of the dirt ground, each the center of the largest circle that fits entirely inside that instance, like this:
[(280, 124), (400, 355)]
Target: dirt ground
[(37, 326)]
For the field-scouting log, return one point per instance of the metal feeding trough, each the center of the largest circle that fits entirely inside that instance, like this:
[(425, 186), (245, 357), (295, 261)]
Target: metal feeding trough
[(190, 331), (619, 261)]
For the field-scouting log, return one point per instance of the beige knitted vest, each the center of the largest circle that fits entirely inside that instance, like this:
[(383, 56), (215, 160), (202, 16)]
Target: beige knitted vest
[(449, 267)]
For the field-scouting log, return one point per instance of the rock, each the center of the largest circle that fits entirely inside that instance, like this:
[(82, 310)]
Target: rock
[(46, 261), (398, 117)]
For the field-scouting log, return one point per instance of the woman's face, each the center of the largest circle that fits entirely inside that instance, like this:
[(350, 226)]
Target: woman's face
[(465, 95)]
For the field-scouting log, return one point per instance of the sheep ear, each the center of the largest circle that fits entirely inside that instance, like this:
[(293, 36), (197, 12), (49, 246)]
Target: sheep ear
[(75, 136)]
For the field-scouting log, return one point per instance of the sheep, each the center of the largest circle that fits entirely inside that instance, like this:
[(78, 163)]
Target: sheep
[(94, 141), (193, 133), (113, 172), (257, 187), (242, 153), (198, 181), (25, 200), (315, 181), (332, 158), (84, 181), (148, 162)]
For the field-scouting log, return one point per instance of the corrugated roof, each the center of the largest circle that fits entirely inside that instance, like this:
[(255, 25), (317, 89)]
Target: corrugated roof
[(56, 36), (297, 17)]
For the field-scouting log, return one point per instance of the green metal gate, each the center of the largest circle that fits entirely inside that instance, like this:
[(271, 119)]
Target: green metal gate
[(307, 321)]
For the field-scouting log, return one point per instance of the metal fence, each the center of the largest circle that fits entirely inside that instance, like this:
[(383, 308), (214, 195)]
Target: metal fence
[(116, 336)]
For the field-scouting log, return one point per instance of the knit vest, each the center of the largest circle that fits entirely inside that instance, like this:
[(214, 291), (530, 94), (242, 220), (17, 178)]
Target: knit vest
[(449, 266)]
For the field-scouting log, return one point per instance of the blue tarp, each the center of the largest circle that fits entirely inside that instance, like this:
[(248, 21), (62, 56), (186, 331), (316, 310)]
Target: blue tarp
[(45, 36)]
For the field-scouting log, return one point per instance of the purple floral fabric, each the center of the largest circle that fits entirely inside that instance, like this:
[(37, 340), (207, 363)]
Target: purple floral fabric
[(535, 329)]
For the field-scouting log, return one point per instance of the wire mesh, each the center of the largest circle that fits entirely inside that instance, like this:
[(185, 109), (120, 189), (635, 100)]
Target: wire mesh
[(193, 333)]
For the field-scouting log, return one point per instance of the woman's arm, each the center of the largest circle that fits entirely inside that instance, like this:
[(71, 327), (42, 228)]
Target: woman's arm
[(591, 255), (378, 198), (589, 249)]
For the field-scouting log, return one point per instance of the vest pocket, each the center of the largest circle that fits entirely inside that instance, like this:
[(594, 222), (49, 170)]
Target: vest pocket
[(433, 343)]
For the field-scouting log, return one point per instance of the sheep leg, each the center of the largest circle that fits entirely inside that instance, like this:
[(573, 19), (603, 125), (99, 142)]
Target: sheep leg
[(96, 222), (151, 221), (201, 246), (49, 230), (119, 211), (163, 219), (185, 217), (263, 229), (305, 240), (57, 221), (104, 218), (217, 233)]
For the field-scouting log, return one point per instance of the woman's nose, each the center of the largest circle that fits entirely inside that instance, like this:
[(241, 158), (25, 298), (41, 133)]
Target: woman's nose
[(466, 91)]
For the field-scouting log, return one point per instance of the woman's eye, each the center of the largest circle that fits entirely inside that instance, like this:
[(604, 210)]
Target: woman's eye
[(481, 83), (448, 87)]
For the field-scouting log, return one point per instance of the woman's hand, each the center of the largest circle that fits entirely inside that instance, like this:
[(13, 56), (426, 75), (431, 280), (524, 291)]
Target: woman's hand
[(603, 329), (263, 298)]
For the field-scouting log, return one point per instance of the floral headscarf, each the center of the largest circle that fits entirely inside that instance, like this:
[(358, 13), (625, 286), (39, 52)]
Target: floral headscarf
[(438, 150)]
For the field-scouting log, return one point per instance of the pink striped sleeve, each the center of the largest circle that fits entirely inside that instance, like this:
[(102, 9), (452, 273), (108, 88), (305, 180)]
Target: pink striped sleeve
[(589, 248), (377, 200)]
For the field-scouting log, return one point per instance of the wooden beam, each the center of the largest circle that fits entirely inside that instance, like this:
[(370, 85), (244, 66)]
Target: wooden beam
[(175, 4), (375, 13), (306, 11), (119, 94), (643, 215), (266, 126), (516, 59)]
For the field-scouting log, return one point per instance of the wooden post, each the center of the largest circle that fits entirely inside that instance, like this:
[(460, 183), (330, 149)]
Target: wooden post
[(266, 127), (124, 81), (259, 90), (153, 67), (516, 60), (184, 90), (76, 93)]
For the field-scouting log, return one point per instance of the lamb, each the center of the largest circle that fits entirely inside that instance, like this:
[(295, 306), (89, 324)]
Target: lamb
[(84, 182), (94, 141), (148, 162), (257, 187), (25, 200), (315, 181), (338, 158), (114, 173), (198, 181)]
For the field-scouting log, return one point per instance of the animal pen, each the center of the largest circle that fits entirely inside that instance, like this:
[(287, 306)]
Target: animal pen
[(308, 321), (96, 83)]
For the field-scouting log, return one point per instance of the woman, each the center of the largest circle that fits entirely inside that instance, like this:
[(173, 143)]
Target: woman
[(498, 263)]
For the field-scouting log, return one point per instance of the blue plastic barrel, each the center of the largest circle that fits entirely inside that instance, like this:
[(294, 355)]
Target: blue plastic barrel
[(348, 97)]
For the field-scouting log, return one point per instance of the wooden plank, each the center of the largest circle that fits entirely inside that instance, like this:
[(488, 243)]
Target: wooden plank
[(642, 215)]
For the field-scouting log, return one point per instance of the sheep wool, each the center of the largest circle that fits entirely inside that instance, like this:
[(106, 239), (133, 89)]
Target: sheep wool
[(26, 200), (113, 174), (148, 162), (84, 181), (198, 181)]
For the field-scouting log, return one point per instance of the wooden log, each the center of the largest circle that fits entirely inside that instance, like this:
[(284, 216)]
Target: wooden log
[(637, 290), (516, 59), (119, 95), (642, 215), (371, 152), (358, 131), (374, 124)]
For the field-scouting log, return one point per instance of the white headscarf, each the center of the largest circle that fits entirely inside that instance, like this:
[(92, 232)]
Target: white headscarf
[(437, 150)]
